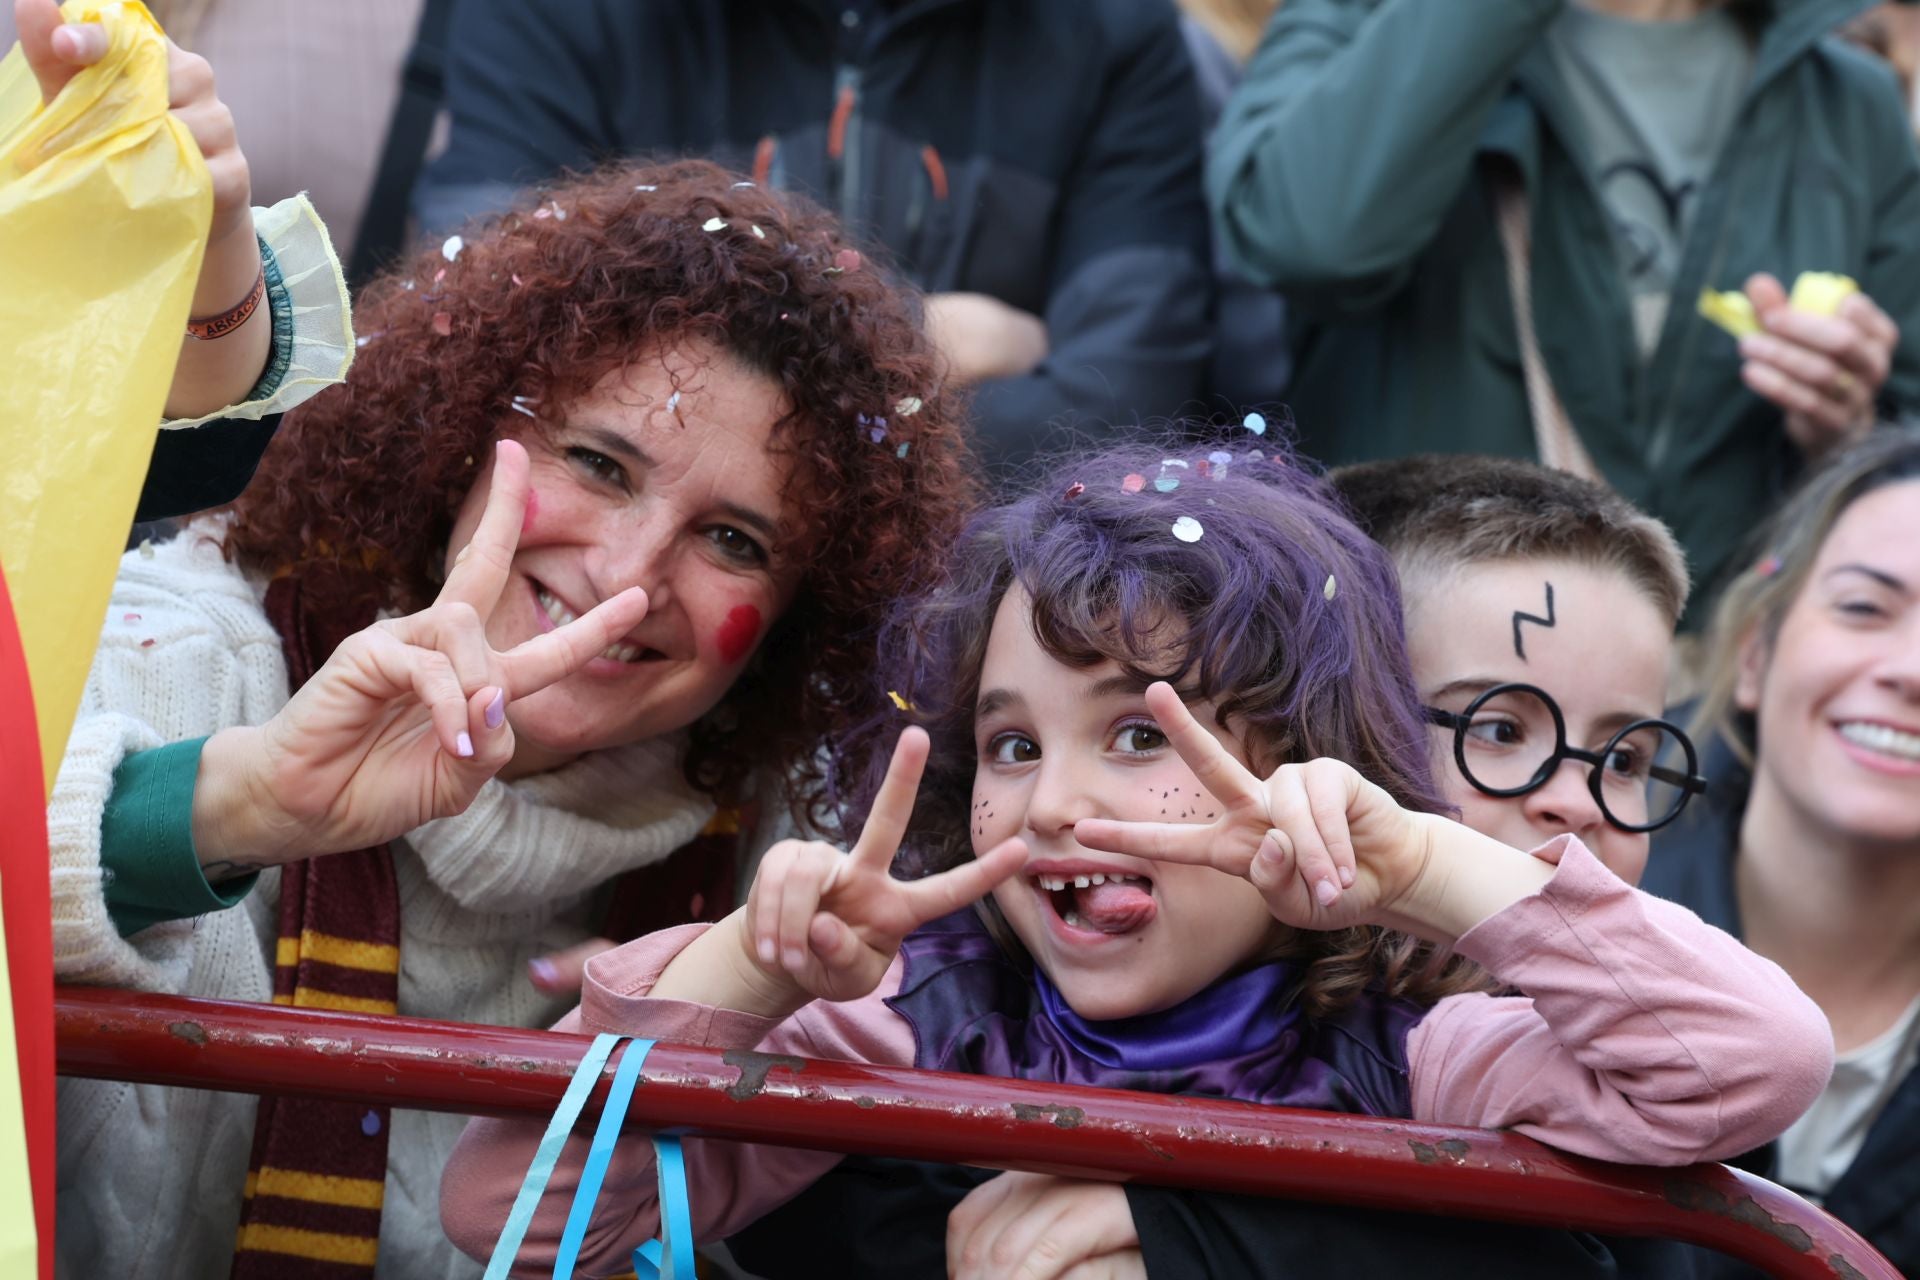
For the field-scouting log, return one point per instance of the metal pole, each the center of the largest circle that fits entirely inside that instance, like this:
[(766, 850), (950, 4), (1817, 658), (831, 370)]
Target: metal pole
[(991, 1122)]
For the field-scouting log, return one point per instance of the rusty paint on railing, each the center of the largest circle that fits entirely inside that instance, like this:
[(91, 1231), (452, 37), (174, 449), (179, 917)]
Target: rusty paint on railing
[(1004, 1124)]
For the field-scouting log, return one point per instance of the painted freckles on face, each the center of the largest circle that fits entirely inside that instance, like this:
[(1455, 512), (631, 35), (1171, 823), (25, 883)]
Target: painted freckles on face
[(1116, 935), (1587, 635)]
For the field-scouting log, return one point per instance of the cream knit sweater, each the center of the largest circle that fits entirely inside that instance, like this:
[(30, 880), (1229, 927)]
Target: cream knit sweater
[(150, 1178)]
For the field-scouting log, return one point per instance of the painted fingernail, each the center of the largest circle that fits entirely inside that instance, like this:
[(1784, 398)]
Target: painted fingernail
[(1346, 877), (497, 709), (1325, 893), (543, 973), (463, 745)]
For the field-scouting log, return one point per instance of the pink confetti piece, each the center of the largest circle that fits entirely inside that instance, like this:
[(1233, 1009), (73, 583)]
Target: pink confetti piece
[(518, 283), (1133, 483), (443, 324), (439, 275), (148, 643), (1074, 490), (847, 260), (129, 617)]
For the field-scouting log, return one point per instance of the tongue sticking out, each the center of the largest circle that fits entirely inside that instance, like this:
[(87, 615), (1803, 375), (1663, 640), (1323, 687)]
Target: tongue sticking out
[(1114, 908)]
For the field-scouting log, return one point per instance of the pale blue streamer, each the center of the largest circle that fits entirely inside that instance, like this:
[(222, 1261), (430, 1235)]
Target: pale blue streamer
[(585, 1076), (605, 1138), (676, 1219)]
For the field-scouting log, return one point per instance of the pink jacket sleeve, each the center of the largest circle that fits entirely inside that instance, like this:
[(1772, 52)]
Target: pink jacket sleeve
[(730, 1184), (1645, 1036)]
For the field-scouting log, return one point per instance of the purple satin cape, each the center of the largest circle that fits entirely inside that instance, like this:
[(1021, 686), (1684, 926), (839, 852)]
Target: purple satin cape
[(973, 1008)]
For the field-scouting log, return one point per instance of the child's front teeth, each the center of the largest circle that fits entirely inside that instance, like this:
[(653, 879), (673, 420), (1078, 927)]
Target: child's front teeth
[(622, 652), (1054, 884)]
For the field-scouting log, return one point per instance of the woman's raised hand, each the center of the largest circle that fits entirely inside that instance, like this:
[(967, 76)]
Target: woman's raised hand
[(405, 722), (214, 373), (1325, 847), (829, 923)]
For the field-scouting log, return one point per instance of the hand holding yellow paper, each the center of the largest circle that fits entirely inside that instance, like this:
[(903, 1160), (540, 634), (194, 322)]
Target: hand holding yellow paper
[(104, 210), (1820, 292)]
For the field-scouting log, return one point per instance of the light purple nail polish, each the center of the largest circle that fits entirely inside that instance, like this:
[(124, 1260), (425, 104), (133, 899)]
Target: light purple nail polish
[(463, 745), (543, 972), (497, 709)]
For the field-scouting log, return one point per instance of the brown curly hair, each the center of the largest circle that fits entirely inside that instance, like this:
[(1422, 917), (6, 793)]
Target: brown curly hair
[(358, 492)]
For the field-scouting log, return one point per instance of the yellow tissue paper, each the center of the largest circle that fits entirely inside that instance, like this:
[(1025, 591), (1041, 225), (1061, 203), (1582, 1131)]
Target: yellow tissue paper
[(104, 209), (1820, 292)]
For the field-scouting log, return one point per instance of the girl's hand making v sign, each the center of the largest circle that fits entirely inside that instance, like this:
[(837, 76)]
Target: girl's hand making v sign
[(1326, 848), (822, 924)]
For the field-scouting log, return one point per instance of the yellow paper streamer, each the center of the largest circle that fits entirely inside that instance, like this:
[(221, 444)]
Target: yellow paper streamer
[(1820, 292), (104, 208)]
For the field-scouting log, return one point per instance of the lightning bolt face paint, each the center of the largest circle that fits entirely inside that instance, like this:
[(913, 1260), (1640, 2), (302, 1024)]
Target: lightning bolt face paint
[(736, 637)]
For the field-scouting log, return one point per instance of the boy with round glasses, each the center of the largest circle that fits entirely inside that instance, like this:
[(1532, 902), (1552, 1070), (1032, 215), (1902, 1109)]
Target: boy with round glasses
[(1540, 611)]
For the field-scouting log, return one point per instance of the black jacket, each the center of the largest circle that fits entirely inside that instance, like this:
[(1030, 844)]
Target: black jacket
[(201, 467), (1879, 1194), (872, 1217), (1047, 154)]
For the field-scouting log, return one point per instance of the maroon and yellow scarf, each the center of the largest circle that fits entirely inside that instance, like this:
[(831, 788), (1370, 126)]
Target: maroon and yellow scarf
[(317, 1175)]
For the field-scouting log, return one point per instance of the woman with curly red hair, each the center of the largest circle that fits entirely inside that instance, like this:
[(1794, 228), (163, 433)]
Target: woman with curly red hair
[(579, 564)]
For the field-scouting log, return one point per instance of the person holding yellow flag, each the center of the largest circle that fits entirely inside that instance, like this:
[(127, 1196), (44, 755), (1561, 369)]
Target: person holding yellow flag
[(269, 323)]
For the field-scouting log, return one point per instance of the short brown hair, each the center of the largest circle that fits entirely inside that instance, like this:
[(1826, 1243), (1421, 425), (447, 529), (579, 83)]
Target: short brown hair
[(1435, 512)]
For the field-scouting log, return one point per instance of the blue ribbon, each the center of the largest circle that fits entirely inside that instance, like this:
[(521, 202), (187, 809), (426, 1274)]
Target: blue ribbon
[(534, 1185), (676, 1212)]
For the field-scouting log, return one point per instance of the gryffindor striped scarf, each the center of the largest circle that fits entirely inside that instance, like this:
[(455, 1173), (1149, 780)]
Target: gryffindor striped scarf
[(318, 1170)]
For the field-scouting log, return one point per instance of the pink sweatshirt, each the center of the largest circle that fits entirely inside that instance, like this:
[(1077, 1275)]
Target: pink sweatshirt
[(1646, 1036)]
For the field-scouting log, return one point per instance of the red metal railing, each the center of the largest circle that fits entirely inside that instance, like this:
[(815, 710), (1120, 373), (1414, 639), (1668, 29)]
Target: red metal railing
[(1003, 1124)]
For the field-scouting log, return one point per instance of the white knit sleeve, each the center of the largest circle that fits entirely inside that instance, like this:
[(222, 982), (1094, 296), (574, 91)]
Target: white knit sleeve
[(186, 651)]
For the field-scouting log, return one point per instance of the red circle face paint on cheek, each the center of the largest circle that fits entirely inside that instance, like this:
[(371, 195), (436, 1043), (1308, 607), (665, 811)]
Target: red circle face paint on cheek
[(737, 634), (533, 510)]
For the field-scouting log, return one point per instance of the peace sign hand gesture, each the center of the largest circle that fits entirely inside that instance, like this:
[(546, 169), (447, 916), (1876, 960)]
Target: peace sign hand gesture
[(828, 924), (1326, 848), (404, 723)]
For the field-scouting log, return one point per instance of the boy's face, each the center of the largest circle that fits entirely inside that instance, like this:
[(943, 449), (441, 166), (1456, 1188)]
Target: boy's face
[(1603, 659)]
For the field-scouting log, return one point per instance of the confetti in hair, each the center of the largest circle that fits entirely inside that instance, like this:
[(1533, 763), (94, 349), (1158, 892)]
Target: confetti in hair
[(714, 224), (450, 250), (1768, 566), (1187, 529), (908, 407), (1255, 423), (1331, 587), (899, 701), (1074, 490), (673, 401), (1133, 483), (443, 324), (758, 234), (523, 404)]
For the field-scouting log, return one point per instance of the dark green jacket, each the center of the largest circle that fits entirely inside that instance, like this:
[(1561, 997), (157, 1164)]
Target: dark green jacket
[(1349, 173)]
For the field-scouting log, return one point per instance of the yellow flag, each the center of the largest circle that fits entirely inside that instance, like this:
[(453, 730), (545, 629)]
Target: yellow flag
[(104, 209)]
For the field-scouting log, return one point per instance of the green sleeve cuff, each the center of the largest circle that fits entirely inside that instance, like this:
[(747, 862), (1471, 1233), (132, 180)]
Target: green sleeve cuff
[(150, 870)]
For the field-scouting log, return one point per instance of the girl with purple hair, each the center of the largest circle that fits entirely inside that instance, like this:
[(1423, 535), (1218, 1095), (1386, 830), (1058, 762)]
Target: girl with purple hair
[(1164, 800)]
